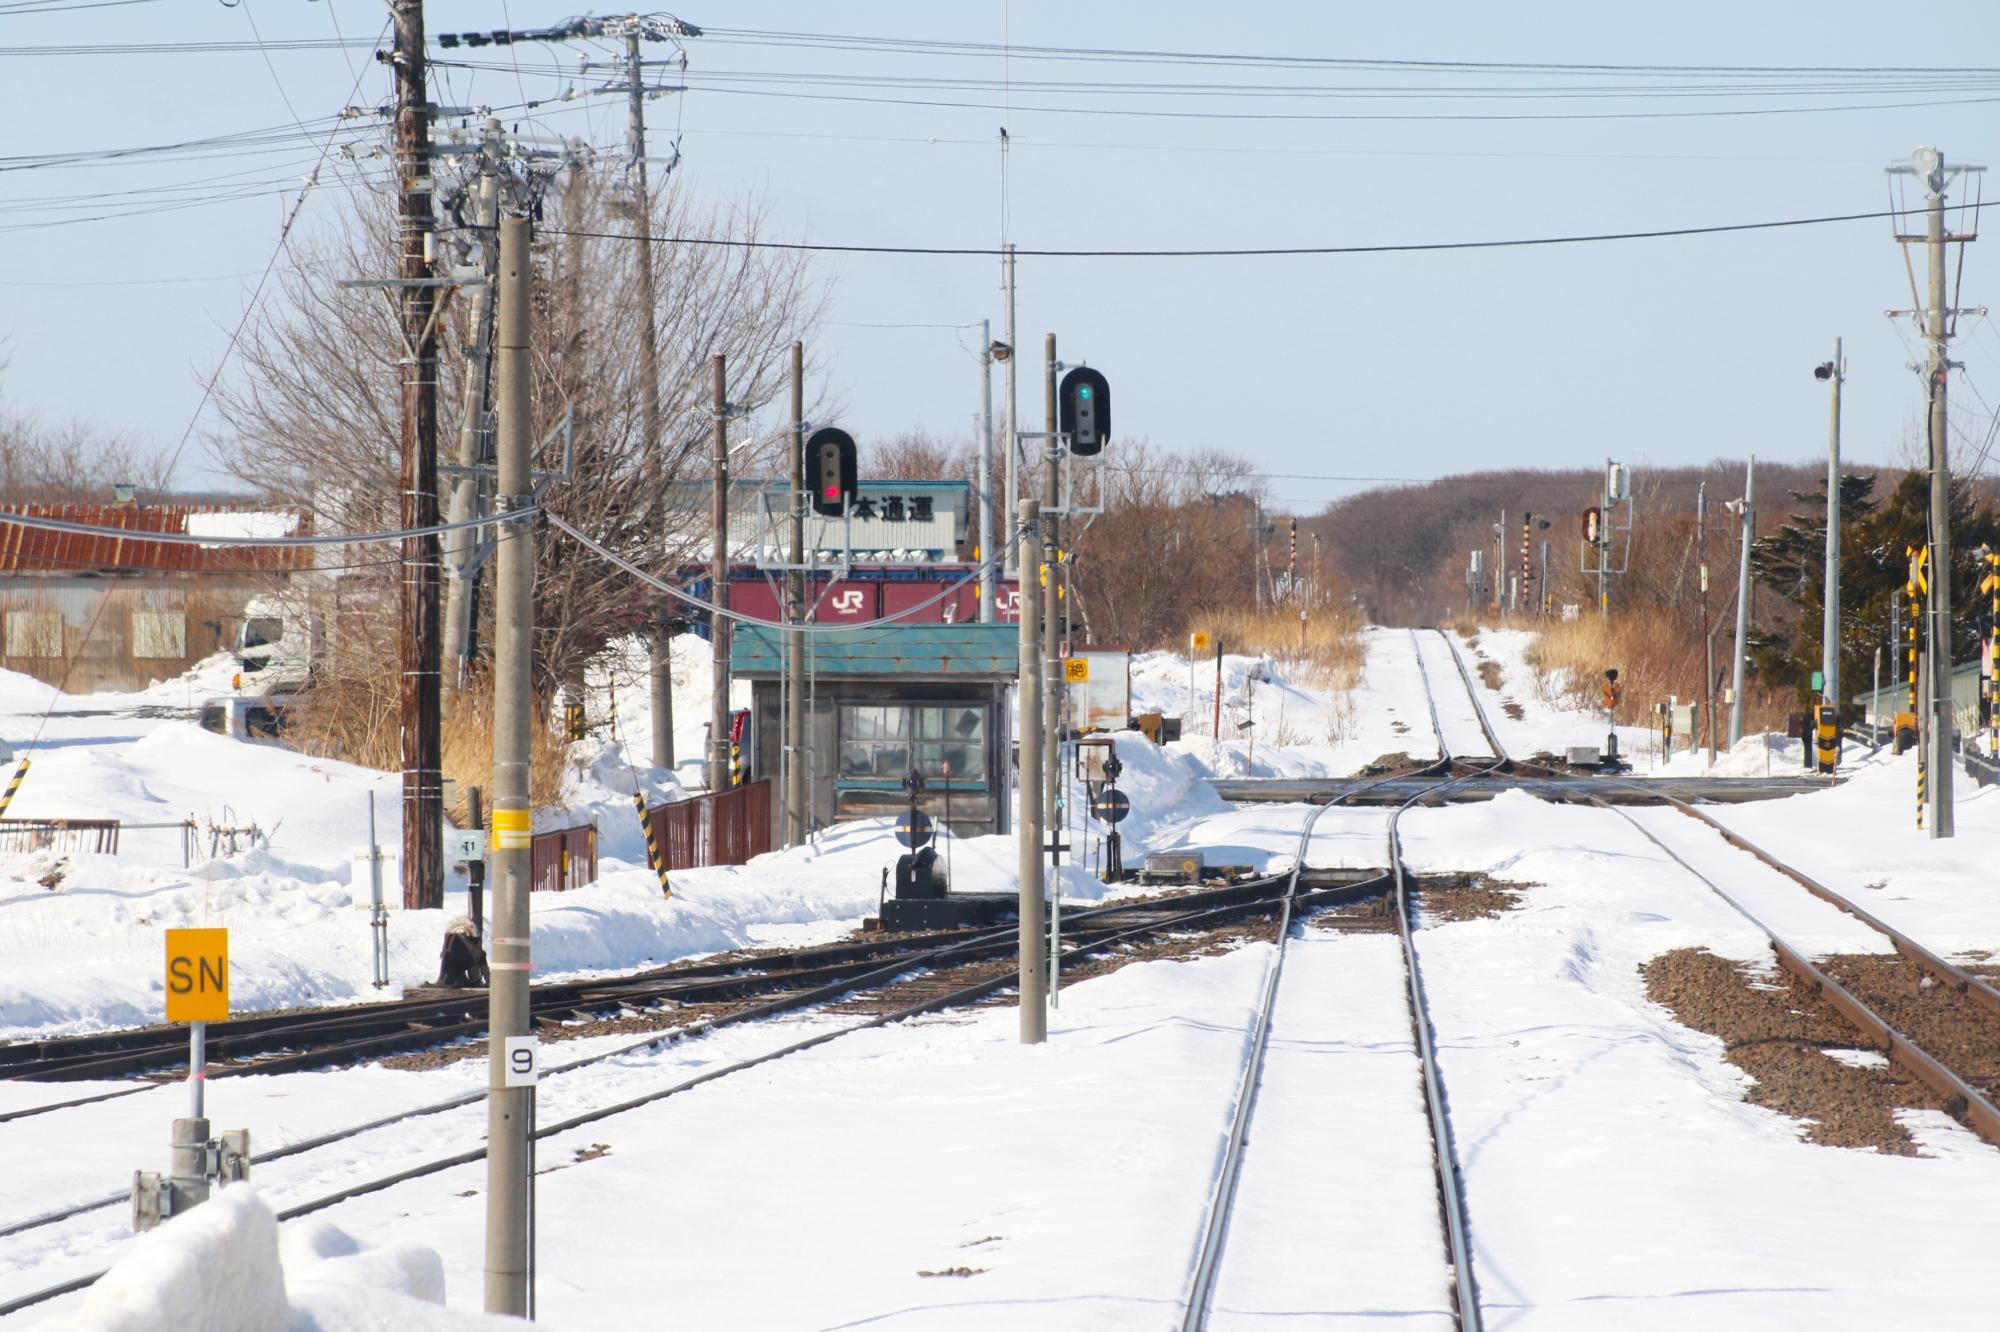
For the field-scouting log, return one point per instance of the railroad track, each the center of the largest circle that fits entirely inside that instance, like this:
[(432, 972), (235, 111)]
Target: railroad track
[(1210, 1252), (1956, 998), (965, 968)]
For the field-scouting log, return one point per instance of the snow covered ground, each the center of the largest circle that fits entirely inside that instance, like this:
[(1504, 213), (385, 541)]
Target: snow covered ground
[(937, 1174)]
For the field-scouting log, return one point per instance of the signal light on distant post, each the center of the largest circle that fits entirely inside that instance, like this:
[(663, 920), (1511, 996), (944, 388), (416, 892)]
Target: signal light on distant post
[(1083, 411), (832, 471)]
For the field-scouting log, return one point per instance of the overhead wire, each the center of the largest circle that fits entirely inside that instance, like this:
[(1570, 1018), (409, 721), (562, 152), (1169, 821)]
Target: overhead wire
[(1230, 252)]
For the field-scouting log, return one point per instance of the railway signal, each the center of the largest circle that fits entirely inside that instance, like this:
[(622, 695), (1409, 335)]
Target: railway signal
[(1083, 411), (832, 470)]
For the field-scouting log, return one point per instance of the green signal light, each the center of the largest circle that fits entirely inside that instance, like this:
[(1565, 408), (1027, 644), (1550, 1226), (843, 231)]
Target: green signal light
[(1083, 392)]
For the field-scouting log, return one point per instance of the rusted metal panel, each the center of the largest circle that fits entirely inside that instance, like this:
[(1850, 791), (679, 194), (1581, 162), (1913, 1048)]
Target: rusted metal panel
[(562, 858), (38, 550), (726, 828)]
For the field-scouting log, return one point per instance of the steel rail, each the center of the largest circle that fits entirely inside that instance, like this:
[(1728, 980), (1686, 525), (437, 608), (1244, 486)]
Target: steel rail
[(1944, 971), (1964, 1102), (978, 942), (1182, 919), (1208, 1255)]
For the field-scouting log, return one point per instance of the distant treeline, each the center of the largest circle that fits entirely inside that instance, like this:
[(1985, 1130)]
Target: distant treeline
[(1403, 552)]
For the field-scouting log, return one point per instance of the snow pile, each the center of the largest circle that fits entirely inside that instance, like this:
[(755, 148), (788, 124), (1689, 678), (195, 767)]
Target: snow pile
[(243, 523), (222, 1267)]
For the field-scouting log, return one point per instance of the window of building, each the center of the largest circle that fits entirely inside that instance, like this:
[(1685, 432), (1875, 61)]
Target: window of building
[(34, 634), (880, 743), (159, 634)]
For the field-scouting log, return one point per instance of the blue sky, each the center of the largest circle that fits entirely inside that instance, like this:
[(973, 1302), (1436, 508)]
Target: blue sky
[(1404, 366)]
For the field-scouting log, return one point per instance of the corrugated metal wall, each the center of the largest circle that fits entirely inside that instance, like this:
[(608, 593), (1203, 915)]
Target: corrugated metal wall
[(120, 632)]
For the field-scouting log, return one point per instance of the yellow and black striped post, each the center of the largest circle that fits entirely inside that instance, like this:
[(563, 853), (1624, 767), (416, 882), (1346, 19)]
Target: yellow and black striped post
[(654, 860), (1991, 586), (1916, 589), (735, 763), (13, 785)]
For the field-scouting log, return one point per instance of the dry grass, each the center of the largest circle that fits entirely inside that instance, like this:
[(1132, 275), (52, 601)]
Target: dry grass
[(359, 721), (1654, 657), (1326, 652)]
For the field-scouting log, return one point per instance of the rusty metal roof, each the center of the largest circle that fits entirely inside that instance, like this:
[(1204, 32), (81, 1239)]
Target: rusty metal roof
[(934, 651), (36, 550)]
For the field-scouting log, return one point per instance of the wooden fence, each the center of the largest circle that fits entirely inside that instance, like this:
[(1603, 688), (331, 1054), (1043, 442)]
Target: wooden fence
[(722, 829)]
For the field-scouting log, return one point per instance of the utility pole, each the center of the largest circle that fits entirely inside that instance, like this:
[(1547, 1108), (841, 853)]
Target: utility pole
[(1937, 313), (797, 827), (661, 676), (1500, 564), (1707, 629), (1028, 837), (423, 775), (1013, 441), (1051, 599), (988, 581), (1749, 513), (475, 421), (1936, 370), (510, 1107), (1830, 627), (718, 593)]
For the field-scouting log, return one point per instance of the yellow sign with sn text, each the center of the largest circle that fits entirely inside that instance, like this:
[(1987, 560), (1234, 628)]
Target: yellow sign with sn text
[(197, 975), (1199, 642), (1076, 670)]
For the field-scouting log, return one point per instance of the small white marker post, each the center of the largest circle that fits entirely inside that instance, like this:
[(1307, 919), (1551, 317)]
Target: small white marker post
[(378, 912)]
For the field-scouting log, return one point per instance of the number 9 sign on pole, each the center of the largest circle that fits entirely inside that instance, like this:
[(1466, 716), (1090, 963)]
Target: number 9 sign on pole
[(524, 1061)]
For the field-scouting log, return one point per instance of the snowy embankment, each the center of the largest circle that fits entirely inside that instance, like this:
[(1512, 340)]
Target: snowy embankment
[(81, 933), (224, 1268)]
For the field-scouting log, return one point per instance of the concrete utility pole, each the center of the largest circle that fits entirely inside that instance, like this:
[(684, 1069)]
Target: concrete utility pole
[(718, 578), (1937, 368), (1707, 629), (1051, 596), (1749, 513), (1830, 627), (423, 775), (1028, 837), (509, 1108), (661, 676), (475, 421), (797, 826), (988, 522), (1013, 441)]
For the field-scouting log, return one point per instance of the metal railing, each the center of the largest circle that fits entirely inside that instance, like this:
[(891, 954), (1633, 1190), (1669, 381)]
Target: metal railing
[(562, 859), (94, 835), (726, 828)]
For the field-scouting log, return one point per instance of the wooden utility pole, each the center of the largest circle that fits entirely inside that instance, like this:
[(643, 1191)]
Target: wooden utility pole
[(718, 592), (423, 777)]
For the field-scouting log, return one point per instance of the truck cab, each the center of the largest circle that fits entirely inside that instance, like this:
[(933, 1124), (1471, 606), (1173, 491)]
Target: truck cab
[(273, 648)]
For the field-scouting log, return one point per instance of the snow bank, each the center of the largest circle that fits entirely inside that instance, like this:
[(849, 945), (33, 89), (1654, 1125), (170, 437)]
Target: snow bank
[(257, 523), (222, 1267)]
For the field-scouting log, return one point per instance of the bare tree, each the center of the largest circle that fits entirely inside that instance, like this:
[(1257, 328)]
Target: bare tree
[(313, 420)]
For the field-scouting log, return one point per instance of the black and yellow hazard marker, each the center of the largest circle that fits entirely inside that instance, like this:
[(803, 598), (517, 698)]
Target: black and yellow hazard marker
[(654, 860), (13, 785)]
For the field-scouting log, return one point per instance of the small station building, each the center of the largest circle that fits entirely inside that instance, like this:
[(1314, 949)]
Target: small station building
[(888, 699)]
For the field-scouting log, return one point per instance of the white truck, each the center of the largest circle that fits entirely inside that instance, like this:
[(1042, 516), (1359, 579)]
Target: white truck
[(278, 646)]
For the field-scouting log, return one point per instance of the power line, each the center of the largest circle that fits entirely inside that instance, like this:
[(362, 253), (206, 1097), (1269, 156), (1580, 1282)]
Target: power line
[(1270, 251)]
